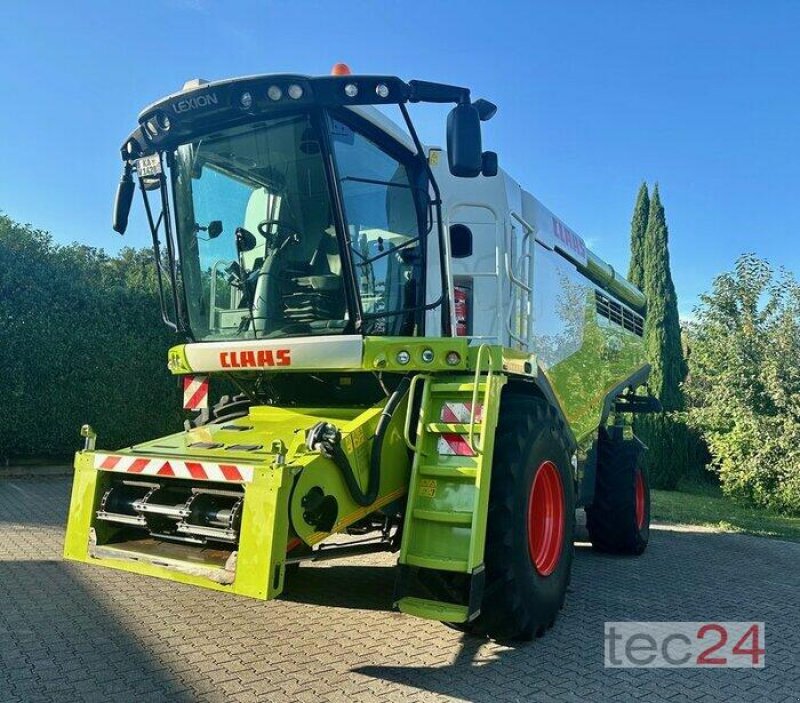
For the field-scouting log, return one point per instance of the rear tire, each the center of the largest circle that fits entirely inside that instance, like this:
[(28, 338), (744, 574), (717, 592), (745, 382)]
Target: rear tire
[(528, 555), (618, 520)]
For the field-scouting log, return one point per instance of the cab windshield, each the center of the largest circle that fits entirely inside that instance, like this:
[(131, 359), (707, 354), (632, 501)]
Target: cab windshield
[(262, 254)]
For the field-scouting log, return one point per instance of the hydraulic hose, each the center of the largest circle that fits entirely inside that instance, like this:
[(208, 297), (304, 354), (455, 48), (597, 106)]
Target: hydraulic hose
[(326, 438)]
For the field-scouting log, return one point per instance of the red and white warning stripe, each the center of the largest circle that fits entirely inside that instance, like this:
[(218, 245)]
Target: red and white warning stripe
[(451, 444), (173, 468), (460, 412), (195, 392)]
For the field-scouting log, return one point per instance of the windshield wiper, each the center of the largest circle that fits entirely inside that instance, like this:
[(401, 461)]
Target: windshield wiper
[(366, 262), (375, 181)]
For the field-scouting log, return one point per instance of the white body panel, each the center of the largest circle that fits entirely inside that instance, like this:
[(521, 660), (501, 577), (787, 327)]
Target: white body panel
[(527, 292), (290, 353)]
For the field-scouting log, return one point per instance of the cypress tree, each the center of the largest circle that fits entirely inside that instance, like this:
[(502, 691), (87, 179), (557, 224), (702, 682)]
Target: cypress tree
[(638, 229), (662, 325)]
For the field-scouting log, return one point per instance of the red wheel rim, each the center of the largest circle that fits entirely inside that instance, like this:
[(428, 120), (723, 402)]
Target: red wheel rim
[(546, 518), (640, 509)]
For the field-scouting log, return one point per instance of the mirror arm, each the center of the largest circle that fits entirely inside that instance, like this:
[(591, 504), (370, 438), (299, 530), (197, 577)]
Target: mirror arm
[(436, 203), (428, 92), (154, 226)]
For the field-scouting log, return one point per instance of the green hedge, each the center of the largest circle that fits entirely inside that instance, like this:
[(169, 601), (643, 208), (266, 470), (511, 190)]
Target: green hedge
[(675, 453), (81, 340)]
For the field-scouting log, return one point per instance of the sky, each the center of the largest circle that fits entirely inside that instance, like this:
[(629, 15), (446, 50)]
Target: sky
[(594, 98)]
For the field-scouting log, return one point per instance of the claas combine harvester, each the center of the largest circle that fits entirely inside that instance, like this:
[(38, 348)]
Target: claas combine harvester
[(422, 353)]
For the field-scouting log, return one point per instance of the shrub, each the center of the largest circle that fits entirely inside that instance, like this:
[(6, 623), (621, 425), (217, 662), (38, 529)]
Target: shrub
[(744, 384)]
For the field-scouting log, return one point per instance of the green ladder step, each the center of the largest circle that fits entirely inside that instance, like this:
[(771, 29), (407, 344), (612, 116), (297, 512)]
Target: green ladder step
[(444, 427), (456, 388), (449, 518), (433, 609), (454, 472)]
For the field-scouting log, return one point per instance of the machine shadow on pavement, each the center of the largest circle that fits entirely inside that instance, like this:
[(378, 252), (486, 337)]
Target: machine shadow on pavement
[(33, 501), (465, 678), (342, 586), (712, 583), (59, 641)]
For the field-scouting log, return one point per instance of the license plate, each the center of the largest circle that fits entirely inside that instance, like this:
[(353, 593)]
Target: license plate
[(148, 166)]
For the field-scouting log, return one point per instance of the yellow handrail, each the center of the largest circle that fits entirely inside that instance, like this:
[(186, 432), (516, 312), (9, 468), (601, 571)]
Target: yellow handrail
[(407, 425), (475, 448)]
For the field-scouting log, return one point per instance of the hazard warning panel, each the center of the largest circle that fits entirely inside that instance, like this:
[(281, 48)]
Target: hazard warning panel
[(195, 392)]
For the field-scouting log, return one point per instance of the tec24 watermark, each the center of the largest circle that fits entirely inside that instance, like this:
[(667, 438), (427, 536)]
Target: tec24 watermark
[(644, 645)]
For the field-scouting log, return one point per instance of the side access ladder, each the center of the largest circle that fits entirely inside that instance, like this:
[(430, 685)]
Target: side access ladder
[(440, 569)]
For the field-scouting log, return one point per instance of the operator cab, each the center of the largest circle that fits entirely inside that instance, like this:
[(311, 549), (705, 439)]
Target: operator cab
[(287, 211), (276, 267)]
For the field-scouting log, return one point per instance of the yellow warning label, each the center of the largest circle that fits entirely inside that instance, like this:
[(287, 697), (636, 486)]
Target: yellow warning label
[(427, 488), (433, 157), (358, 437)]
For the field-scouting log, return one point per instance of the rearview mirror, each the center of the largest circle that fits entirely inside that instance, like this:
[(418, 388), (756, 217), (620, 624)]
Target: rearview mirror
[(245, 240), (489, 163), (214, 229), (486, 110), (464, 153), (122, 203)]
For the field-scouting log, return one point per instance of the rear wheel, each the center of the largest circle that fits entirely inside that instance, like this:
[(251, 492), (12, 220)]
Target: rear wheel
[(619, 518), (530, 526)]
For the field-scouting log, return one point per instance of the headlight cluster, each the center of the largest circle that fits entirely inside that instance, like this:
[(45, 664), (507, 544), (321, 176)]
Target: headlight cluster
[(427, 355), (158, 124), (351, 90), (294, 91)]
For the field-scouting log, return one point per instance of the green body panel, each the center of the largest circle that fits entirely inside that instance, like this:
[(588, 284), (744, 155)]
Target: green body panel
[(357, 434), (607, 356)]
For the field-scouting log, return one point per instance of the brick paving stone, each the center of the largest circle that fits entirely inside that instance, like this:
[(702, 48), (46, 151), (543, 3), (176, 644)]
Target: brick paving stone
[(71, 632)]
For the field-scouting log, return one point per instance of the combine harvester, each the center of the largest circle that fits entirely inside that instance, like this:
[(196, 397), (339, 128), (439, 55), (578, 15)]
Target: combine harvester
[(422, 353)]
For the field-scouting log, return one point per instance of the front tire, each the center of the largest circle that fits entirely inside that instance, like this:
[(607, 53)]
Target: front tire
[(528, 555)]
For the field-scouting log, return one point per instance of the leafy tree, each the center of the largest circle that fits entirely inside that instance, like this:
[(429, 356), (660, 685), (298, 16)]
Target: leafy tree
[(744, 387), (638, 229)]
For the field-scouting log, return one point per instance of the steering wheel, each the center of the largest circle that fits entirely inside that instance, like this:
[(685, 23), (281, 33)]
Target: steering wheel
[(272, 229)]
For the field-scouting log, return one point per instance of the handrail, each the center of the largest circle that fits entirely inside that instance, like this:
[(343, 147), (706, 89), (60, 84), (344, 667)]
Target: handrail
[(511, 332), (516, 281), (526, 260), (212, 293), (519, 219), (521, 279), (471, 437), (511, 301), (409, 406)]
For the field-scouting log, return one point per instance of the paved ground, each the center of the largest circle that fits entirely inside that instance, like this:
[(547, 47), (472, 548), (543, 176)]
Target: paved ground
[(69, 632)]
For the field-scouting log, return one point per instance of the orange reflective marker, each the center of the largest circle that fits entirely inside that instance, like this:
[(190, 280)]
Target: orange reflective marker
[(340, 69)]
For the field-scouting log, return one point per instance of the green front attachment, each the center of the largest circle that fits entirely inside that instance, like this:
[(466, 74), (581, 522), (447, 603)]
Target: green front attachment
[(441, 558), (141, 509), (253, 566)]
